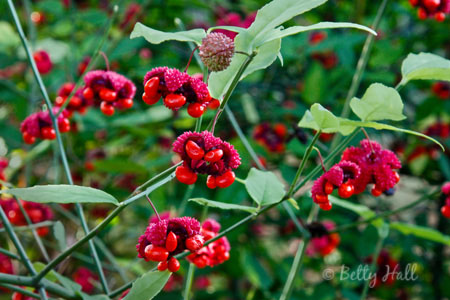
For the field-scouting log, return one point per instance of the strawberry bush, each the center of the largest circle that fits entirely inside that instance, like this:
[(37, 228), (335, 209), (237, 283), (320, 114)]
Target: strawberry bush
[(284, 149)]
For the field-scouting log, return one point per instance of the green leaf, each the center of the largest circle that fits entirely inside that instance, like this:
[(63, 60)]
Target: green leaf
[(320, 118), (281, 33), (148, 285), (345, 123), (264, 187), (277, 12), (267, 54), (60, 235), (222, 205), (421, 232), (156, 37), (61, 193), (94, 297), (359, 209), (425, 66), (51, 276), (378, 103)]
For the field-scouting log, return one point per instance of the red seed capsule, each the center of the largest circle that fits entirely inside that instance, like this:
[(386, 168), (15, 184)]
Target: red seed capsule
[(126, 103), (162, 266), (155, 253), (445, 211), (214, 104), (200, 262), (150, 100), (194, 151), (59, 101), (151, 87), (107, 95), (64, 125), (196, 110), (48, 133), (397, 177), (173, 265), (75, 101), (214, 155), (185, 175), (376, 192), (226, 179), (346, 190), (171, 242), (329, 187), (106, 108), (321, 199), (42, 231), (211, 182), (88, 93), (439, 16), (174, 101), (28, 138), (325, 206), (195, 243)]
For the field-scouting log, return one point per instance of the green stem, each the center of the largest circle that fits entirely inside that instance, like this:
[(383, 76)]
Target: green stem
[(303, 164), (378, 247), (189, 279), (31, 227), (156, 177), (287, 290), (9, 254), (58, 138), (35, 235), (20, 290)]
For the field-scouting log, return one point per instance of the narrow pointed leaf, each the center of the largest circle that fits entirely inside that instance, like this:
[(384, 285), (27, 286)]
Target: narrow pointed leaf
[(225, 206), (156, 37), (148, 285)]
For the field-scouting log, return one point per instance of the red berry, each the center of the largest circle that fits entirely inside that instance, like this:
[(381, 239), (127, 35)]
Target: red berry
[(88, 93), (151, 87), (214, 104), (155, 253), (321, 199), (173, 265), (280, 130), (195, 243), (376, 192), (200, 262), (414, 2), (106, 108), (171, 242), (211, 182), (59, 101), (162, 266), (422, 13), (28, 138), (174, 101), (397, 177), (432, 4), (75, 101), (194, 151), (214, 155), (107, 94), (48, 133), (445, 211), (185, 175), (439, 16), (226, 179), (196, 110), (329, 187), (150, 100), (64, 125), (42, 231), (326, 205), (35, 215), (126, 103), (346, 190), (15, 217)]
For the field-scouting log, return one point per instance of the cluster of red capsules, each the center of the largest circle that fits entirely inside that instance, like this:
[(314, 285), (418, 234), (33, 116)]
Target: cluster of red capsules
[(203, 153), (39, 125), (214, 253), (77, 103), (37, 213), (385, 269), (164, 239), (441, 89), (177, 89), (445, 210), (322, 241), (359, 167), (432, 8), (108, 89), (272, 137)]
